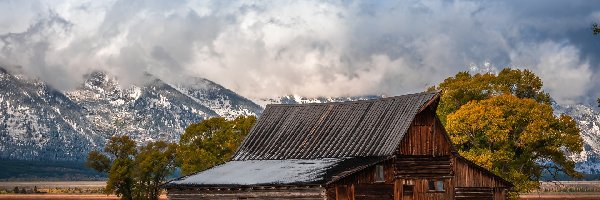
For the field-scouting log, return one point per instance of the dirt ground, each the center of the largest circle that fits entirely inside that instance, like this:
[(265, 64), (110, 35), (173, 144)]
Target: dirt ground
[(61, 196), (575, 196)]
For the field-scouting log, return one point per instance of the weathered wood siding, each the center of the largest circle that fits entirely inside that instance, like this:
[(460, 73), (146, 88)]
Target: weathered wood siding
[(474, 183), (474, 193), (408, 166), (425, 136), (466, 175), (367, 175), (479, 193), (421, 190), (362, 185), (374, 192), (312, 193), (426, 153)]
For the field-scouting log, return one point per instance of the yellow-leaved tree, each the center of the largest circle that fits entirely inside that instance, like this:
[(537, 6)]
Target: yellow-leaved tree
[(211, 142), (505, 123)]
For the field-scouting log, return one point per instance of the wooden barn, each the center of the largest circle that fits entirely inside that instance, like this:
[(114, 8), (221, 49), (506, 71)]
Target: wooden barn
[(389, 148)]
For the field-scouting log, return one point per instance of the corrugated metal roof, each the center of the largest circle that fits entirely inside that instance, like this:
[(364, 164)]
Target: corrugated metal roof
[(274, 172), (332, 130)]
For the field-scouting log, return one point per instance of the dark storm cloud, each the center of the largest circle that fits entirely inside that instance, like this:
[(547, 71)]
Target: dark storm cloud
[(309, 48)]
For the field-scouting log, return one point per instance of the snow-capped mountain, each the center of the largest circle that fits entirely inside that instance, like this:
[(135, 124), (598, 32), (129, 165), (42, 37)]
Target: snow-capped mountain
[(588, 120), (39, 122), (295, 99), (223, 101)]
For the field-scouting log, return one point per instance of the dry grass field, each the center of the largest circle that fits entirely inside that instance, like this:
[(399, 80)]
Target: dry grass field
[(88, 190), (580, 190), (52, 184), (58, 190), (560, 196), (57, 196), (61, 197)]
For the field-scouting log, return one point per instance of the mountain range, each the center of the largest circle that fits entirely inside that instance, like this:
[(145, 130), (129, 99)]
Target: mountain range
[(38, 122)]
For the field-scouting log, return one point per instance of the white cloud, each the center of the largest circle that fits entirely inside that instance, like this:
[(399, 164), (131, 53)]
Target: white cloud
[(565, 75), (269, 48)]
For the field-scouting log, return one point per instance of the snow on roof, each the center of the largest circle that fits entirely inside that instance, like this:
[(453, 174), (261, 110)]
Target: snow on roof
[(262, 172), (274, 172)]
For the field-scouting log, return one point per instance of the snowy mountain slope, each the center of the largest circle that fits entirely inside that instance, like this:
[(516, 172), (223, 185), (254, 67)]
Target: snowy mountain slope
[(148, 112), (295, 99), (34, 119), (39, 122), (588, 120), (223, 101)]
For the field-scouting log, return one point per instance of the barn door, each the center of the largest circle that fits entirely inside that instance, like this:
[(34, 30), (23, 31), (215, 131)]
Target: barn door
[(473, 193)]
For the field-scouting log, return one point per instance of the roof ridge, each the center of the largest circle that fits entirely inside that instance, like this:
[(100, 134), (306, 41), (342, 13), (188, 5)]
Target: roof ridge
[(357, 101)]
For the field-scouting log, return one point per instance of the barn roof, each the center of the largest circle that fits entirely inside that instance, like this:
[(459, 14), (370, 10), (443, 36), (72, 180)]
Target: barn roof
[(332, 130), (250, 173)]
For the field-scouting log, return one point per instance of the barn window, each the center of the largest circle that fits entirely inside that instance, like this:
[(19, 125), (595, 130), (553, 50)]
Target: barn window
[(436, 185), (439, 186), (431, 184), (379, 174)]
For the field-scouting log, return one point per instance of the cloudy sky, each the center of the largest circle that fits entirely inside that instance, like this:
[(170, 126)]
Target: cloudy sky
[(309, 48)]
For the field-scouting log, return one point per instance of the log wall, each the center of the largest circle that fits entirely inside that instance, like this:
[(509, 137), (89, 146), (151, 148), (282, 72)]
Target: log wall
[(423, 167)]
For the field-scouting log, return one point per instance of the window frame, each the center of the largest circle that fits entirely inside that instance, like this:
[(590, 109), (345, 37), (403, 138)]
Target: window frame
[(435, 184), (379, 174)]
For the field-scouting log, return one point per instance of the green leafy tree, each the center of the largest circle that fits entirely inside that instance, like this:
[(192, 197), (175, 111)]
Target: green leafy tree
[(505, 123), (211, 142), (134, 173), (153, 164), (118, 164), (98, 161)]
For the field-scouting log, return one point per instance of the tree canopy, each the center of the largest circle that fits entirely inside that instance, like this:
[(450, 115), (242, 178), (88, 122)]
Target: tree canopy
[(506, 124), (134, 173), (153, 164), (464, 87), (211, 142)]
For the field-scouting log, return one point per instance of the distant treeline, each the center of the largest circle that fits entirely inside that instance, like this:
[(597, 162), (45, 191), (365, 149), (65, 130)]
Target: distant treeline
[(20, 170), (563, 177)]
